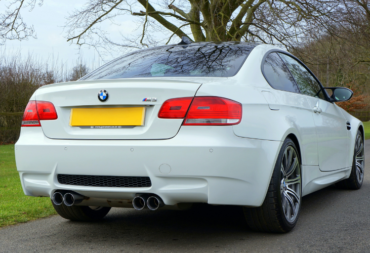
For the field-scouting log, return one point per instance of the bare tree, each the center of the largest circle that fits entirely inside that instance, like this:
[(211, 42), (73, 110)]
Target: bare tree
[(267, 21), (349, 21), (356, 17), (338, 48), (12, 25), (48, 77), (78, 71)]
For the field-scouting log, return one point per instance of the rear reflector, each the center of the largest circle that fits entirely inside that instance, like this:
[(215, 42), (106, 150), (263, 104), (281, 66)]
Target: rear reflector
[(175, 108), (36, 111), (213, 111)]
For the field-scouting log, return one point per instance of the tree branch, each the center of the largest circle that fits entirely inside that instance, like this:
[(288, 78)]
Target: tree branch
[(162, 20), (194, 14), (144, 26), (142, 13), (16, 15), (175, 33), (179, 11), (237, 22), (94, 22), (239, 33)]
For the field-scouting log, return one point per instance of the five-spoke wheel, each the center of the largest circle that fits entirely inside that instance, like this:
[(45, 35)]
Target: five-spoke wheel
[(290, 186), (359, 158)]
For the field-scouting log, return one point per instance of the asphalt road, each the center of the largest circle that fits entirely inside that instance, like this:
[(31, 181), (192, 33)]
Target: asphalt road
[(332, 220)]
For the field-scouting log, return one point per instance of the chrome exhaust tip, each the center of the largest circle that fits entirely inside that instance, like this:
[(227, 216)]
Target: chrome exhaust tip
[(71, 199), (57, 198), (154, 203), (138, 203)]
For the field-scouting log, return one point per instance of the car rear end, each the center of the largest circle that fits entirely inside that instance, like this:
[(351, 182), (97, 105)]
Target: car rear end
[(165, 137)]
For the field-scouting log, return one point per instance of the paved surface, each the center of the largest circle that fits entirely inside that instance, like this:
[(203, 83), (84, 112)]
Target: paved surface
[(331, 220)]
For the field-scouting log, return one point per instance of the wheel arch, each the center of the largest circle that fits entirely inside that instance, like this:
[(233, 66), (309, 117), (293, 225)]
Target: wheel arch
[(294, 135), (361, 128), (356, 126), (296, 142)]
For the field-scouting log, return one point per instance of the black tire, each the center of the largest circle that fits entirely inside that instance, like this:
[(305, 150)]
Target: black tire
[(355, 180), (272, 215), (81, 213)]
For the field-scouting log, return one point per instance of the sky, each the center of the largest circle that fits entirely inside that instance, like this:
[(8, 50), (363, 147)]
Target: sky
[(48, 21)]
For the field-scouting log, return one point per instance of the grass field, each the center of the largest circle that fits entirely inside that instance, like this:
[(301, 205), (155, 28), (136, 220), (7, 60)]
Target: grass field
[(15, 207), (367, 130)]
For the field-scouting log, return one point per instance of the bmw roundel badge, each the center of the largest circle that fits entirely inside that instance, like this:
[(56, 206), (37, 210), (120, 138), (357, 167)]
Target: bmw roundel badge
[(103, 95)]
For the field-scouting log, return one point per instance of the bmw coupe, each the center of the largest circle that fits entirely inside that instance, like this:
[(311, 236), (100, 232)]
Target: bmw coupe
[(218, 123)]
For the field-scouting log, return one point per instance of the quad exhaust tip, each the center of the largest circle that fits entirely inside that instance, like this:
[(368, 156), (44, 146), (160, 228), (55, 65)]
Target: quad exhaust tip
[(71, 199), (57, 198), (151, 201), (68, 198), (139, 203), (154, 203)]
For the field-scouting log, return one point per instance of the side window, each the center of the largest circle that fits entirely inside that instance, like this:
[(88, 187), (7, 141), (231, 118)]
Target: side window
[(305, 81), (277, 74)]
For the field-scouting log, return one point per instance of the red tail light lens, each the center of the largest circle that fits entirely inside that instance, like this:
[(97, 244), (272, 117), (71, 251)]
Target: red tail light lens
[(203, 111), (46, 110), (36, 111), (30, 116), (175, 108), (213, 111)]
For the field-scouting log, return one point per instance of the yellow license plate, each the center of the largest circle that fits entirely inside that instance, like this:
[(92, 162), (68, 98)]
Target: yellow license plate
[(128, 116)]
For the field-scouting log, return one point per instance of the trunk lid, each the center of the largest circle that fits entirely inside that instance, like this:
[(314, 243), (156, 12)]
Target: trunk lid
[(123, 93)]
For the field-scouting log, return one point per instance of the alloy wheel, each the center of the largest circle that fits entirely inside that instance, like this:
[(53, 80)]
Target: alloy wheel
[(359, 158), (290, 186)]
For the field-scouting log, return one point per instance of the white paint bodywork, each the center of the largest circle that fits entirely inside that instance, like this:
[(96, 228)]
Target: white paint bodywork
[(227, 165)]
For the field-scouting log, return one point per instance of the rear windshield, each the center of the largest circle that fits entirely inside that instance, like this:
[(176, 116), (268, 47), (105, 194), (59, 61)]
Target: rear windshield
[(208, 60)]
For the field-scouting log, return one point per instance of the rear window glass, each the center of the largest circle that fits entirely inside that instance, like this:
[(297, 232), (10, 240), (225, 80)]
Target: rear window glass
[(206, 60)]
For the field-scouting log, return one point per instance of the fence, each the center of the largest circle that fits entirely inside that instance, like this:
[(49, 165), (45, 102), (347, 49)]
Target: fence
[(10, 126)]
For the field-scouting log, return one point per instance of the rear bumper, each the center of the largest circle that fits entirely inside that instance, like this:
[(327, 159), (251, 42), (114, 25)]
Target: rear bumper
[(201, 164)]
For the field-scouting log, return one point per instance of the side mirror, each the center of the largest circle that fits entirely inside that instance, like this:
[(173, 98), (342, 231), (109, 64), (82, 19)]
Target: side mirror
[(339, 94)]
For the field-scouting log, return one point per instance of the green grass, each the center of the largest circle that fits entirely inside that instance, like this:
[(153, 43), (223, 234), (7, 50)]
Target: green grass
[(15, 207), (367, 129)]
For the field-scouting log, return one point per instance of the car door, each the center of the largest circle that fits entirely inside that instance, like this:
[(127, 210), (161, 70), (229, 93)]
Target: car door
[(331, 127), (293, 108)]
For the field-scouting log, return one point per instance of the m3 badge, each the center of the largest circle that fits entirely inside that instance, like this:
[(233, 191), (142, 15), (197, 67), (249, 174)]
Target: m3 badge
[(150, 100)]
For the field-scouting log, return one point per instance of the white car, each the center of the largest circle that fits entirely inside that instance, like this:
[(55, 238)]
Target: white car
[(224, 124)]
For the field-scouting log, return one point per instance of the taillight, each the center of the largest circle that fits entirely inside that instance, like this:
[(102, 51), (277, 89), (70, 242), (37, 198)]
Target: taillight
[(30, 117), (175, 108), (46, 110), (36, 111), (213, 111), (203, 111)]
